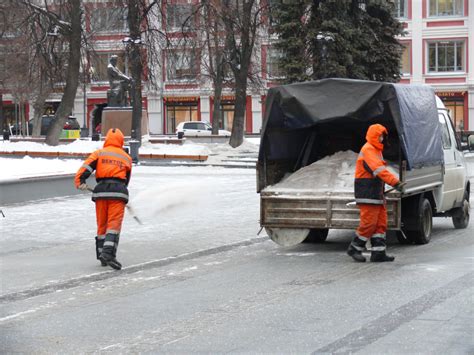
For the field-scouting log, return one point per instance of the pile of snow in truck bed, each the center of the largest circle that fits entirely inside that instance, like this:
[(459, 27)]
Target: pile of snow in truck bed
[(333, 173)]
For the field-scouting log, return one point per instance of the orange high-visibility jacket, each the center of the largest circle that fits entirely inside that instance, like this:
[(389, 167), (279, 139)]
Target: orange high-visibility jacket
[(113, 168), (371, 170)]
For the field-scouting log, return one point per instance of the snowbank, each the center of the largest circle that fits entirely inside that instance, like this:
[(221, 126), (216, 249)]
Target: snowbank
[(27, 167), (87, 146)]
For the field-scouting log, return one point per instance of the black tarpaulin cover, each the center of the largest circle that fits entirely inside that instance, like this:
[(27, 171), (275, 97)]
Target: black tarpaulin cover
[(340, 110)]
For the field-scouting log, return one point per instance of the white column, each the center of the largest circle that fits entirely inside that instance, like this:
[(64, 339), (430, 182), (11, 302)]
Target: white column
[(155, 114), (78, 109), (417, 42), (256, 114), (470, 75), (205, 109)]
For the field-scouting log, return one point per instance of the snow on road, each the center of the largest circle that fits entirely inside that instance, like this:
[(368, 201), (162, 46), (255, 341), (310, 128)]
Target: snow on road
[(172, 202)]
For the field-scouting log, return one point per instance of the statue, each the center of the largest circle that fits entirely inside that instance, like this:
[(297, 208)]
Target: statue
[(119, 85)]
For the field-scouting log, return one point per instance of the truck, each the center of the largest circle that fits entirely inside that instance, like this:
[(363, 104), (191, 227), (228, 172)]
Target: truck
[(311, 122)]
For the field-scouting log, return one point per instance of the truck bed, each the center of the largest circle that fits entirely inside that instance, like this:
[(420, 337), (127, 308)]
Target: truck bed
[(316, 196), (289, 208)]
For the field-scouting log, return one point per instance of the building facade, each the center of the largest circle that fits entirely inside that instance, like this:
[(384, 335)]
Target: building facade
[(438, 51)]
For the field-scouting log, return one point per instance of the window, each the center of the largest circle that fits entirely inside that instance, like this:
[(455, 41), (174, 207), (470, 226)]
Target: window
[(273, 66), (109, 19), (405, 63), (201, 126), (400, 9), (445, 136), (456, 112), (100, 61), (227, 116), (178, 15), (181, 65), (272, 9), (446, 56), (177, 112), (446, 7)]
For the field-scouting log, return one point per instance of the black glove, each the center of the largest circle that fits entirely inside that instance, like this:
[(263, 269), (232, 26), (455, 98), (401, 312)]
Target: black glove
[(399, 186)]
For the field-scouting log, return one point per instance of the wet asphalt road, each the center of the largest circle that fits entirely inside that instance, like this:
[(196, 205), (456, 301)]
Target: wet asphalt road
[(214, 291)]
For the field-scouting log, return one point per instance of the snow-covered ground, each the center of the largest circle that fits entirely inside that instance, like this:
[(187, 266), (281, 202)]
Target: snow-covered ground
[(88, 146), (28, 166)]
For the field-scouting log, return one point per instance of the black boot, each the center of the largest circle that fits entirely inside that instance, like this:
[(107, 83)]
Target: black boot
[(109, 251), (99, 244), (356, 247), (111, 261), (355, 254), (380, 256), (378, 249)]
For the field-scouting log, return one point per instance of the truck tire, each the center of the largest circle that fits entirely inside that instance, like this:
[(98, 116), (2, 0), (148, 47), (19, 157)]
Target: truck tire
[(317, 235), (424, 217), (287, 237), (461, 215)]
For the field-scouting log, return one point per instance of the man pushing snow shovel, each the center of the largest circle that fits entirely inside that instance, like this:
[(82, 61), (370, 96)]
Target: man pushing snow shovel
[(371, 175), (113, 168)]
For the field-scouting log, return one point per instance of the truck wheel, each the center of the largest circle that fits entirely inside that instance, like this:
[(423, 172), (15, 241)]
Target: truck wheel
[(422, 234), (317, 235), (287, 237), (461, 215)]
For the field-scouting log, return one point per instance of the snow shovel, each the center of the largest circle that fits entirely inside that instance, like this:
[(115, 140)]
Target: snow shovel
[(128, 206)]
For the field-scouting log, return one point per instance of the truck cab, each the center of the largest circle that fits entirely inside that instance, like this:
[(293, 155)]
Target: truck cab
[(451, 194)]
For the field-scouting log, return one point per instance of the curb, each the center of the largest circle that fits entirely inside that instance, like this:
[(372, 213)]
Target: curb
[(190, 164)]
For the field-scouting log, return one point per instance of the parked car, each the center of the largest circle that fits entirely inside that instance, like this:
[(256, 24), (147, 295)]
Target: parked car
[(197, 128), (71, 123)]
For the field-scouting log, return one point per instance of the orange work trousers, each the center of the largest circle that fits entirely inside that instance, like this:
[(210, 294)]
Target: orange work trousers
[(373, 220), (109, 214)]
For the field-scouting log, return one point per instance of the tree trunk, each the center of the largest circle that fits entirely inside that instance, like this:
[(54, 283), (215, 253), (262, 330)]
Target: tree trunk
[(217, 111), (134, 18), (72, 75), (24, 128), (38, 108), (2, 117), (237, 136)]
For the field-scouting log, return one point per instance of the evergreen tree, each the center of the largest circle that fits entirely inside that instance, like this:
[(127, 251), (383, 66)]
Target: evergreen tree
[(288, 19), (339, 38)]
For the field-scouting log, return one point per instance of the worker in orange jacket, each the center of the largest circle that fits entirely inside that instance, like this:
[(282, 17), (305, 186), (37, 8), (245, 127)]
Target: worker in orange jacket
[(113, 168), (371, 175)]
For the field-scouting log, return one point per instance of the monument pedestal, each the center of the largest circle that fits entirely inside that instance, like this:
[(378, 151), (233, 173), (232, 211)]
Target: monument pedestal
[(121, 118)]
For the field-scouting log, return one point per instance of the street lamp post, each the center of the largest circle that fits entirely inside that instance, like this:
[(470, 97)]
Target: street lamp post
[(323, 39)]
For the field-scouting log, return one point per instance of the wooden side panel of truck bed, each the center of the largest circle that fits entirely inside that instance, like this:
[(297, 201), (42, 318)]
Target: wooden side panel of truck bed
[(308, 209)]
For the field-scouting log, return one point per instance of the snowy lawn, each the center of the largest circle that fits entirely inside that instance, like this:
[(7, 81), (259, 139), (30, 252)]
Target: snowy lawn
[(27, 166), (88, 146)]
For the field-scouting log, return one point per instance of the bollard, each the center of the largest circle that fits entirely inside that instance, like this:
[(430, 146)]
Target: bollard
[(134, 146), (6, 135), (96, 137)]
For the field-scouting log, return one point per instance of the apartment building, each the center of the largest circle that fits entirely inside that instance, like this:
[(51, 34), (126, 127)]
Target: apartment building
[(439, 51)]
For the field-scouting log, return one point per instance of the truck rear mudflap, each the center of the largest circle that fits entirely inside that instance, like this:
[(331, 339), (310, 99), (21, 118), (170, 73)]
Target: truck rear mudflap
[(299, 209)]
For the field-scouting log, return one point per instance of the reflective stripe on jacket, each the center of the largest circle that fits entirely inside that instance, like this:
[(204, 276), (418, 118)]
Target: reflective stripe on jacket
[(113, 167), (371, 170)]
